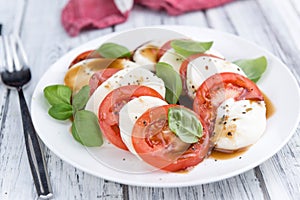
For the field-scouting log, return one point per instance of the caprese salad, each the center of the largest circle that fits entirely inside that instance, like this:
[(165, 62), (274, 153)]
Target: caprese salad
[(169, 103)]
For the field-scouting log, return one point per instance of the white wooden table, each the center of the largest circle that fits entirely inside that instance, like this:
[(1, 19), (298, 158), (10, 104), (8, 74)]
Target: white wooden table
[(272, 24)]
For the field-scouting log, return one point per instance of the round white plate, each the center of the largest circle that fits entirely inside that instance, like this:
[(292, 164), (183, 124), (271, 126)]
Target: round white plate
[(116, 165)]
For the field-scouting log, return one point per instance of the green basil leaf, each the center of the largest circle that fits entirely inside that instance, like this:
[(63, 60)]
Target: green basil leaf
[(61, 111), (112, 50), (253, 68), (81, 98), (57, 94), (190, 47), (172, 81), (86, 129), (185, 124), (188, 138), (75, 133)]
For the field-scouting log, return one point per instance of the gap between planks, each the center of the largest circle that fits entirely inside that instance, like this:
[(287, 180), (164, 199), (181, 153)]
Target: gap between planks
[(3, 112)]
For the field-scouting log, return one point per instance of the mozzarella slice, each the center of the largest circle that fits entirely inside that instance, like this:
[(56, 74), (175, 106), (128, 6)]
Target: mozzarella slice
[(80, 73), (176, 60), (147, 54), (141, 76), (173, 59), (239, 124), (199, 69), (131, 112), (128, 76)]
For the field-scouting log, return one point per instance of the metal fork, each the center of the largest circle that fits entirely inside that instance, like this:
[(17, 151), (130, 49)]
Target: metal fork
[(16, 75)]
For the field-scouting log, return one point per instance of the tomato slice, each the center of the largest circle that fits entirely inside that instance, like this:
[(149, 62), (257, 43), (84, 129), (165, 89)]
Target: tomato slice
[(111, 105), (220, 87), (157, 145), (85, 55), (99, 77), (184, 66), (165, 47)]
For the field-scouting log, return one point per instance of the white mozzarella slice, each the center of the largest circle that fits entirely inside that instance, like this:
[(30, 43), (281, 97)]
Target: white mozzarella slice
[(128, 76), (173, 59), (239, 124), (105, 88), (147, 54), (131, 112), (176, 60), (199, 69), (141, 76)]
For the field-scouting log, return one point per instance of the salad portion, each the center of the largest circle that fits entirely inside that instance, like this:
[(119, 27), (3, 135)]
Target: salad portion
[(169, 103)]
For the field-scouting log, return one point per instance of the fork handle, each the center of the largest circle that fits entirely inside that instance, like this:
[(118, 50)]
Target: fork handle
[(34, 153)]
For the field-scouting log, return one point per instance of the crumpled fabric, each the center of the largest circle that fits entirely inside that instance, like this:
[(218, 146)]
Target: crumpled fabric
[(79, 15)]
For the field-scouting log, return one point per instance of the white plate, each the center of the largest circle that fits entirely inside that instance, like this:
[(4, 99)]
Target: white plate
[(120, 166)]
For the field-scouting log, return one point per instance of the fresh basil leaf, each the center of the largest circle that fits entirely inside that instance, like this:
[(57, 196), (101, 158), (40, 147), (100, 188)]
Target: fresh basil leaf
[(86, 129), (185, 124), (172, 81), (57, 94), (112, 50), (81, 98), (190, 47), (61, 111), (75, 133), (188, 138), (253, 68)]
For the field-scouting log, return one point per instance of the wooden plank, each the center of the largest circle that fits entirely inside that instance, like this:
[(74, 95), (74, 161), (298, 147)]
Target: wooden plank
[(85, 36), (284, 21), (71, 183), (4, 108), (244, 186), (218, 18), (238, 187), (140, 17), (197, 19)]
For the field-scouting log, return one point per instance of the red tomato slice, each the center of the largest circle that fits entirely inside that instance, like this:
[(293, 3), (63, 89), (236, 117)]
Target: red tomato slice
[(81, 57), (220, 87), (157, 145), (99, 77), (111, 105), (165, 47), (184, 65), (85, 55)]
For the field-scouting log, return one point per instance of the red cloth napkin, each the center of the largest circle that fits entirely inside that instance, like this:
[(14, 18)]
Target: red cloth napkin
[(177, 7), (84, 14)]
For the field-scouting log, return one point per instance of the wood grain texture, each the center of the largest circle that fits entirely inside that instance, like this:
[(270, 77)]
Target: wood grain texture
[(272, 24)]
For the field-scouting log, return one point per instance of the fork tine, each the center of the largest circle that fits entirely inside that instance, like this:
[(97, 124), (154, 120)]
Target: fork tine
[(21, 50), (2, 58), (1, 50), (8, 55), (16, 59)]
